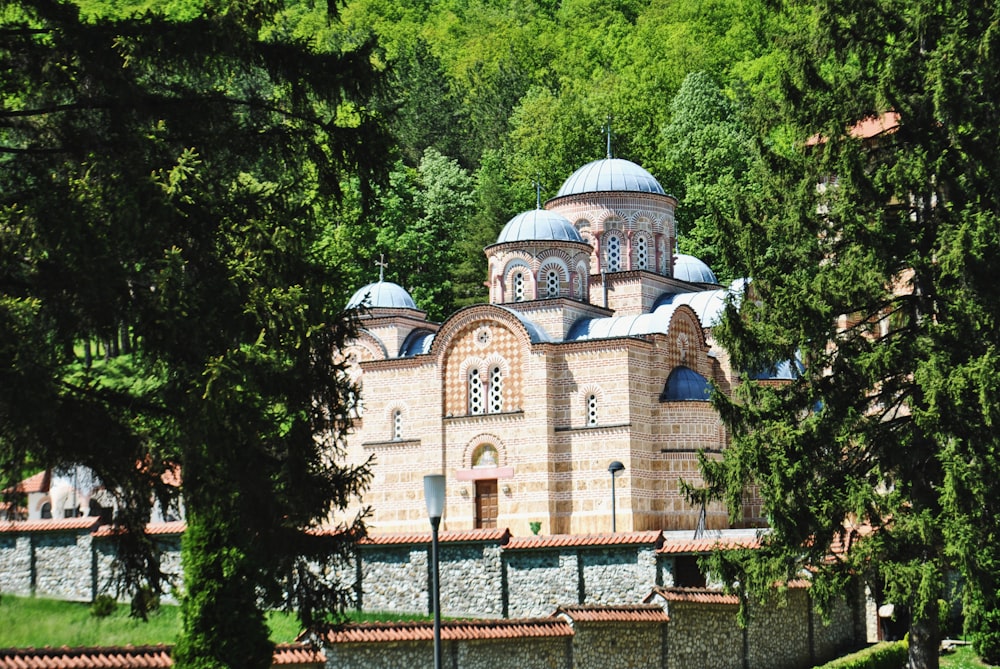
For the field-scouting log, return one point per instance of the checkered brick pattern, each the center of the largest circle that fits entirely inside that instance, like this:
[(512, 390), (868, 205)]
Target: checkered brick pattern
[(503, 345)]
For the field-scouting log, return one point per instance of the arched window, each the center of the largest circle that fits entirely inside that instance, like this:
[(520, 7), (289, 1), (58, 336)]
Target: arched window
[(641, 253), (397, 424), (496, 390), (475, 392), (613, 253), (552, 283), (592, 409), (518, 287)]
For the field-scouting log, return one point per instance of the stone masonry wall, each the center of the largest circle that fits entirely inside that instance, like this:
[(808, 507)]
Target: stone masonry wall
[(622, 645), (617, 576), (15, 564), (705, 636), (778, 632), (394, 578), (539, 581), (63, 568)]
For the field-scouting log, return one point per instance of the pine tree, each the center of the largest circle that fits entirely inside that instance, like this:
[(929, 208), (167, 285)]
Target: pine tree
[(872, 249), (173, 177)]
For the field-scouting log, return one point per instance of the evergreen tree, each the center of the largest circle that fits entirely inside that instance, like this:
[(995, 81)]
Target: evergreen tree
[(872, 248), (173, 177)]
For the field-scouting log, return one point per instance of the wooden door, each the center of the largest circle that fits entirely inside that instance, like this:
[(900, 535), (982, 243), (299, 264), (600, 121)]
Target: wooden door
[(486, 503)]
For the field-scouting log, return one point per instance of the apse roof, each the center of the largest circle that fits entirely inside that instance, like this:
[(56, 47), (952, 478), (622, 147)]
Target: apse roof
[(691, 269), (417, 342), (684, 384), (538, 224), (657, 320), (382, 294), (610, 174)]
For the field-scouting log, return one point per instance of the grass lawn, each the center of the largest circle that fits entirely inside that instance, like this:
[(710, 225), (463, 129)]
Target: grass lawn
[(30, 622), (963, 658)]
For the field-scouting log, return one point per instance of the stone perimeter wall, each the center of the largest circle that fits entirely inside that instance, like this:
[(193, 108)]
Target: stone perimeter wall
[(482, 579)]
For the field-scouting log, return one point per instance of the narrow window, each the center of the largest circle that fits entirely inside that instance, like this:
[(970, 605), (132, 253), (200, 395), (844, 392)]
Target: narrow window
[(475, 393), (519, 287), (592, 409), (641, 253), (397, 424), (613, 253), (496, 390), (552, 283)]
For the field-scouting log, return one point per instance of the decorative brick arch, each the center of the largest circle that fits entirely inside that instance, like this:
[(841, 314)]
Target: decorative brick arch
[(484, 439)]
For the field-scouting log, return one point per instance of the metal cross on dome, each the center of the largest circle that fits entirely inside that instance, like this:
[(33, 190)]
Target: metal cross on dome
[(382, 264), (606, 129)]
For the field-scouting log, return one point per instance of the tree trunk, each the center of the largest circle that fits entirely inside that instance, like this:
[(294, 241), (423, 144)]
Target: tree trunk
[(924, 642)]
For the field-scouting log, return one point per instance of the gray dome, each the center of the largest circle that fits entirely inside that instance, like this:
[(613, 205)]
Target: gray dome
[(382, 294), (538, 224), (610, 174), (691, 269)]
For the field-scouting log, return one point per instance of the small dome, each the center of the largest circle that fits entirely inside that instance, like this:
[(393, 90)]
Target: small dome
[(684, 384), (384, 295), (691, 269), (610, 174), (538, 224)]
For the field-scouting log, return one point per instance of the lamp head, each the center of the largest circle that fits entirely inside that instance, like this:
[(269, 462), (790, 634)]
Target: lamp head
[(434, 494), (615, 467)]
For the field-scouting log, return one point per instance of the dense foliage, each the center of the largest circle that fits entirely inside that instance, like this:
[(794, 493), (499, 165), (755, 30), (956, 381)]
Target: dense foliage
[(871, 244), (168, 181)]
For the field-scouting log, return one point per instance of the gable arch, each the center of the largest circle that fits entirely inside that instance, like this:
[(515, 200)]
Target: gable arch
[(476, 443)]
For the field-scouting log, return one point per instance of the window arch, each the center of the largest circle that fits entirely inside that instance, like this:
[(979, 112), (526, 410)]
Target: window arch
[(592, 409), (551, 282), (397, 424), (495, 390), (641, 250), (613, 253), (485, 455), (517, 281), (475, 392)]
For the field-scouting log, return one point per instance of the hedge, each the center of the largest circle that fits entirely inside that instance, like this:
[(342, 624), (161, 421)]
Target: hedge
[(880, 656)]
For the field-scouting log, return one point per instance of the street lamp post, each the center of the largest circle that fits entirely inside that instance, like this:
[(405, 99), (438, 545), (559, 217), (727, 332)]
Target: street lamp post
[(614, 468), (434, 496)]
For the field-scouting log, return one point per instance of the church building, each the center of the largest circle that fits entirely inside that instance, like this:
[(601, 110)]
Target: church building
[(595, 348)]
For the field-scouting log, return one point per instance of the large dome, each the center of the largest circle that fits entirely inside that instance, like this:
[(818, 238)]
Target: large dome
[(538, 224), (691, 269), (382, 294), (610, 174)]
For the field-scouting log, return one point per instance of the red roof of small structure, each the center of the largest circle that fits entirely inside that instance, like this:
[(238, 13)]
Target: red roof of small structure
[(694, 596), (53, 525), (500, 535), (132, 657), (653, 537), (708, 545), (866, 128), (37, 483), (637, 613), (156, 529), (451, 629)]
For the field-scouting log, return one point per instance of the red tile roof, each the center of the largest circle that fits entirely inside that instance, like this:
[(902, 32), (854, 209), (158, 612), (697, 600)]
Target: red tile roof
[(639, 613), (694, 596), (127, 657), (708, 545), (131, 657), (866, 128), (500, 535), (654, 537), (451, 629), (156, 529), (54, 525), (297, 653), (37, 483)]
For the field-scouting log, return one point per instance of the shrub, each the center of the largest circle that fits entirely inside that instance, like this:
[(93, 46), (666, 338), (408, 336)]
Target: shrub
[(986, 640), (103, 606), (880, 656)]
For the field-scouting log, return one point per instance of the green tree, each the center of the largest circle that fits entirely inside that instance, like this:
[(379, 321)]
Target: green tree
[(708, 155), (174, 177), (881, 279)]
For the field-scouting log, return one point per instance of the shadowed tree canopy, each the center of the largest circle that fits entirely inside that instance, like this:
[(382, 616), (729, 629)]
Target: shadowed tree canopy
[(167, 181), (872, 246)]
